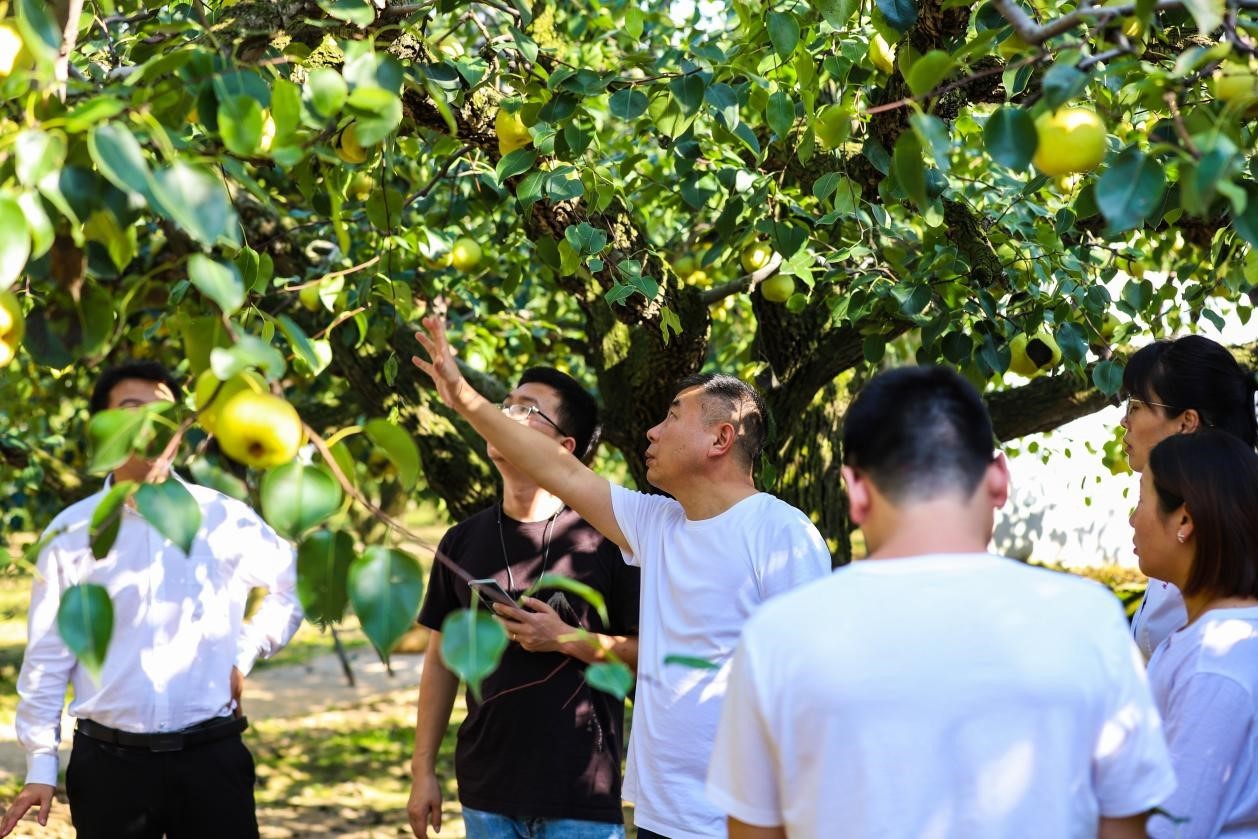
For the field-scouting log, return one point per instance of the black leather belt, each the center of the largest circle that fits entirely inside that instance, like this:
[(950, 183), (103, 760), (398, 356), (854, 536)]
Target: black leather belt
[(170, 741)]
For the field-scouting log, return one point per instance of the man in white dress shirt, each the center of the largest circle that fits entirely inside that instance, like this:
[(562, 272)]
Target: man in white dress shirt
[(157, 747)]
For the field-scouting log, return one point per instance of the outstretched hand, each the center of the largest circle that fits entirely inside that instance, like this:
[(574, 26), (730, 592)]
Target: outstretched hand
[(32, 795), (441, 366)]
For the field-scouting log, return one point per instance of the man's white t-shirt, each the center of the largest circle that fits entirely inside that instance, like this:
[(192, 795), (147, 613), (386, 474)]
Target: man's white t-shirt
[(1205, 682), (1161, 612), (939, 696), (701, 580)]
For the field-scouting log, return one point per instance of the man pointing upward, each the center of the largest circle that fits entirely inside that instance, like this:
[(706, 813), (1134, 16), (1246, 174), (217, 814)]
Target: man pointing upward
[(709, 556)]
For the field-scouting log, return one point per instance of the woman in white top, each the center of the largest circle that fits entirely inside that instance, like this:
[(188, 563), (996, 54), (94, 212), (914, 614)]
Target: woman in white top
[(1178, 387), (1196, 525)]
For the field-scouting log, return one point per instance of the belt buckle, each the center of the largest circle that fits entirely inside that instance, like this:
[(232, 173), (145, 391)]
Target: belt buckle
[(172, 742)]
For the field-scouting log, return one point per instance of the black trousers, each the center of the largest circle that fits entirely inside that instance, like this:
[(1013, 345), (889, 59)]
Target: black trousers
[(203, 792)]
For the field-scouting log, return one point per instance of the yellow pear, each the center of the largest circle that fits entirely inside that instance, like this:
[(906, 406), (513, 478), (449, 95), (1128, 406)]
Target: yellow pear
[(209, 398), (1069, 140), (349, 149), (1034, 354), (882, 54), (12, 327), (465, 254), (13, 52), (512, 132), (778, 288), (755, 256), (259, 429)]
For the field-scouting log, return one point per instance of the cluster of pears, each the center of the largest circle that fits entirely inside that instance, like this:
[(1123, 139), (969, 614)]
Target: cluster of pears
[(253, 426), (775, 289)]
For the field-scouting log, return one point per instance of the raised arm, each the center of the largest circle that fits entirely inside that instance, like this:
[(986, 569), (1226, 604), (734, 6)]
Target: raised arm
[(550, 465)]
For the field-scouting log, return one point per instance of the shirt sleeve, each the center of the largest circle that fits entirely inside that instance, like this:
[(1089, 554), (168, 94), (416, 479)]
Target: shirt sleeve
[(46, 670), (743, 771), (268, 562), (637, 514), (1131, 767), (795, 555), (1208, 724)]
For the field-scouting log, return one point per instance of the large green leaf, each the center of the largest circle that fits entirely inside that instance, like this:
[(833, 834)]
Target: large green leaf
[(15, 242), (400, 448), (612, 677), (115, 433), (358, 12), (472, 644), (1130, 190), (217, 281), (197, 201), (901, 14), (386, 587), (1010, 137), (928, 71), (118, 156), (910, 171), (171, 510), (85, 621), (240, 121), (378, 112), (783, 33), (38, 153), (107, 518), (297, 496), (323, 561), (324, 93)]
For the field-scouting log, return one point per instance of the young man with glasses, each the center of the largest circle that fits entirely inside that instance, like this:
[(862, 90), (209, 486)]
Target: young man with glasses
[(539, 753), (157, 747), (710, 555)]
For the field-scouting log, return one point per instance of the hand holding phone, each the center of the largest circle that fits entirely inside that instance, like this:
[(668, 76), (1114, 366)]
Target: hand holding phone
[(490, 591)]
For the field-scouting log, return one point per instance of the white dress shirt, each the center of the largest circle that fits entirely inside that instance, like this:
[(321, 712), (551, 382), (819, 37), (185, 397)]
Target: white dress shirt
[(178, 623)]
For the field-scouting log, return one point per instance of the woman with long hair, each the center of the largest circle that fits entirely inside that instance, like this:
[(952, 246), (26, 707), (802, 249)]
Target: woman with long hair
[(1196, 526), (1179, 387)]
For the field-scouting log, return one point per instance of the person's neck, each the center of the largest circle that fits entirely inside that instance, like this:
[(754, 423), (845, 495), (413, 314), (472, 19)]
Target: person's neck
[(529, 502), (1201, 602), (930, 528), (713, 497)]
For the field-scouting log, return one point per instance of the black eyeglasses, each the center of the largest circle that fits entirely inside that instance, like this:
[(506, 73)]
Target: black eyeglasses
[(520, 411)]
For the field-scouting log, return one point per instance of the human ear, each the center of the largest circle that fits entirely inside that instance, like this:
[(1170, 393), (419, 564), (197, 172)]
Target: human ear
[(1189, 421), (1184, 532), (857, 495), (726, 437), (998, 481)]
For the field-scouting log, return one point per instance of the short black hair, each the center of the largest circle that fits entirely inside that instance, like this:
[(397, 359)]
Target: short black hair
[(578, 410), (1195, 372), (145, 371), (1214, 476), (919, 433), (734, 397)]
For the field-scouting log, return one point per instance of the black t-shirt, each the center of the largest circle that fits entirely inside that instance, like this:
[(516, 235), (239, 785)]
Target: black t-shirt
[(541, 743)]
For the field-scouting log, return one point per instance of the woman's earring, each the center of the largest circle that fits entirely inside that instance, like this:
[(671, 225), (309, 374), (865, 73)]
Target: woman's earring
[(1180, 536)]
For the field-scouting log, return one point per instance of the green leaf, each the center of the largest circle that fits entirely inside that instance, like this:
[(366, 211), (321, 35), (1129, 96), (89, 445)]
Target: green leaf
[(198, 202), (86, 114), (1207, 13), (783, 33), (325, 92), (386, 587), (909, 169), (358, 12), (933, 134), (724, 101), (585, 239), (780, 113), (688, 90), (221, 283), (296, 497), (928, 71), (516, 162), (248, 352), (378, 112), (628, 103), (37, 153), (835, 12), (323, 561), (400, 447), (240, 124), (115, 433), (612, 677), (693, 662), (1108, 377), (901, 14), (303, 347), (171, 510), (1061, 83), (1010, 137), (1246, 223), (1130, 190), (15, 242), (120, 159), (472, 644), (586, 593), (107, 518), (85, 621)]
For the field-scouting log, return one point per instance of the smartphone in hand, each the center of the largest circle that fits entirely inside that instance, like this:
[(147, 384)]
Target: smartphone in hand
[(490, 591)]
